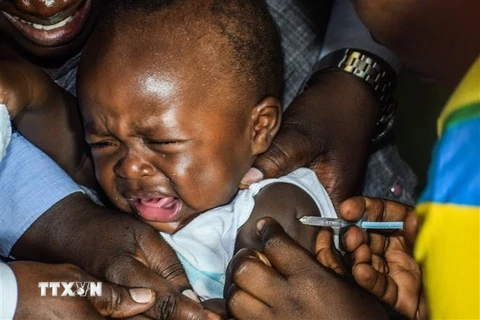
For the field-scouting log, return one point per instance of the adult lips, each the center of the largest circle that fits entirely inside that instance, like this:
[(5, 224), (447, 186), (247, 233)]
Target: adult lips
[(46, 33)]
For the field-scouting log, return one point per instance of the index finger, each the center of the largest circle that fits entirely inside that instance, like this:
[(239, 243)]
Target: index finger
[(352, 209)]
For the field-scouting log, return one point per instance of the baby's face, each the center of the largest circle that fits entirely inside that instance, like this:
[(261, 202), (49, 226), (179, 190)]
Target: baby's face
[(164, 144)]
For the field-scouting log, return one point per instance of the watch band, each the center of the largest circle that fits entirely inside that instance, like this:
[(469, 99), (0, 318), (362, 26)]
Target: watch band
[(376, 73)]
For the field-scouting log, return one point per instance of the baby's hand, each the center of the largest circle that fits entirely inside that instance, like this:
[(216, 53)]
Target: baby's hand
[(23, 85), (382, 262)]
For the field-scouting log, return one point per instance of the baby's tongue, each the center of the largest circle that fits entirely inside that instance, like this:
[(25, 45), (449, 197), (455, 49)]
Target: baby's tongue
[(162, 209)]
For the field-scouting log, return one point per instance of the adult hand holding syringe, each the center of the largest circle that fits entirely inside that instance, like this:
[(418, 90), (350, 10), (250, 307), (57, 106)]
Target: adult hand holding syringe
[(383, 262)]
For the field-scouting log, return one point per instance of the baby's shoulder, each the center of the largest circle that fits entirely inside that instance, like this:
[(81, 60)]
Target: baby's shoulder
[(285, 203), (279, 198)]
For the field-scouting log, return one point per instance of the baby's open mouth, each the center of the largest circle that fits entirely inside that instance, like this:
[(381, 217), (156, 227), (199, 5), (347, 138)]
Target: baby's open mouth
[(51, 32), (159, 209)]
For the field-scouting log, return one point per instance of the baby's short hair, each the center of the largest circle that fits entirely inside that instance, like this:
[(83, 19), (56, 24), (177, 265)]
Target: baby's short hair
[(244, 27)]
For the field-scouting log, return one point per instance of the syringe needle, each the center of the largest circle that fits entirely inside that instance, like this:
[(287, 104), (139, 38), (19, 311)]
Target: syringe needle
[(338, 223)]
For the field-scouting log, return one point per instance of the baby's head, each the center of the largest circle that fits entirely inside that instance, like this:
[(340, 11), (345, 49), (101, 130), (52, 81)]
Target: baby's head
[(177, 99)]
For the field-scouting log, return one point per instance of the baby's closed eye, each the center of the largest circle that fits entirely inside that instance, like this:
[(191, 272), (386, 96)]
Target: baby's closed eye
[(100, 144)]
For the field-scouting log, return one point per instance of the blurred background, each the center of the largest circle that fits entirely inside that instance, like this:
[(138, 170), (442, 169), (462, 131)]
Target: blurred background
[(415, 131)]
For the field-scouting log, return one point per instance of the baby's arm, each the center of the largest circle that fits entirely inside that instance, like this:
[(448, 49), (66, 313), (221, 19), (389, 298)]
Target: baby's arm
[(46, 115), (332, 294)]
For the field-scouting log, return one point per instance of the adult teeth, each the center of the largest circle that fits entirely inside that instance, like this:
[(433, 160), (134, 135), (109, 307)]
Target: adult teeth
[(50, 27)]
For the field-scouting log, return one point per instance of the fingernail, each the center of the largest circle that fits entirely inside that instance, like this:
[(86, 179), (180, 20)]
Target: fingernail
[(263, 258), (344, 239), (415, 225), (191, 294), (253, 175), (261, 224), (141, 295)]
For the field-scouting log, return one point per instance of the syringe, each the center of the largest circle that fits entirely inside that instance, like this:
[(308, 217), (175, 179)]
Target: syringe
[(339, 223)]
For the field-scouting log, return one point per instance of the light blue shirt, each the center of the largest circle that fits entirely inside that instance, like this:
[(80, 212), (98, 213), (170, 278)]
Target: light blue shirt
[(30, 183)]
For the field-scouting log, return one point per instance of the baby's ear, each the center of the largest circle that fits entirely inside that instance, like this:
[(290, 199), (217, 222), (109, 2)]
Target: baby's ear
[(266, 118)]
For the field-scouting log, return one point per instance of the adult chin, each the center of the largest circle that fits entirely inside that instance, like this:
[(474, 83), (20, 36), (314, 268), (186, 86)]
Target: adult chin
[(61, 35)]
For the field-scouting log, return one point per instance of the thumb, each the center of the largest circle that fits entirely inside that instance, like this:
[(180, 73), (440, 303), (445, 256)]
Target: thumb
[(289, 151), (281, 250), (119, 302)]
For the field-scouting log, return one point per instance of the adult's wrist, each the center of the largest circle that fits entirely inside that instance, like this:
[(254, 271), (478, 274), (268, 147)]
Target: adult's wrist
[(79, 232), (68, 232), (374, 71), (49, 238)]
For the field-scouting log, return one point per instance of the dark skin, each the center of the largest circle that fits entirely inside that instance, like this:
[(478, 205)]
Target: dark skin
[(136, 254), (329, 156), (48, 47), (136, 263), (330, 160), (115, 301), (396, 25), (402, 27), (142, 250), (382, 262), (169, 153), (265, 298), (129, 151), (325, 139), (261, 285)]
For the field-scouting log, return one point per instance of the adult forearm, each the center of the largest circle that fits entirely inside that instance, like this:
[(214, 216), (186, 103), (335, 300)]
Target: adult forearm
[(104, 242), (70, 231), (51, 237), (115, 247)]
